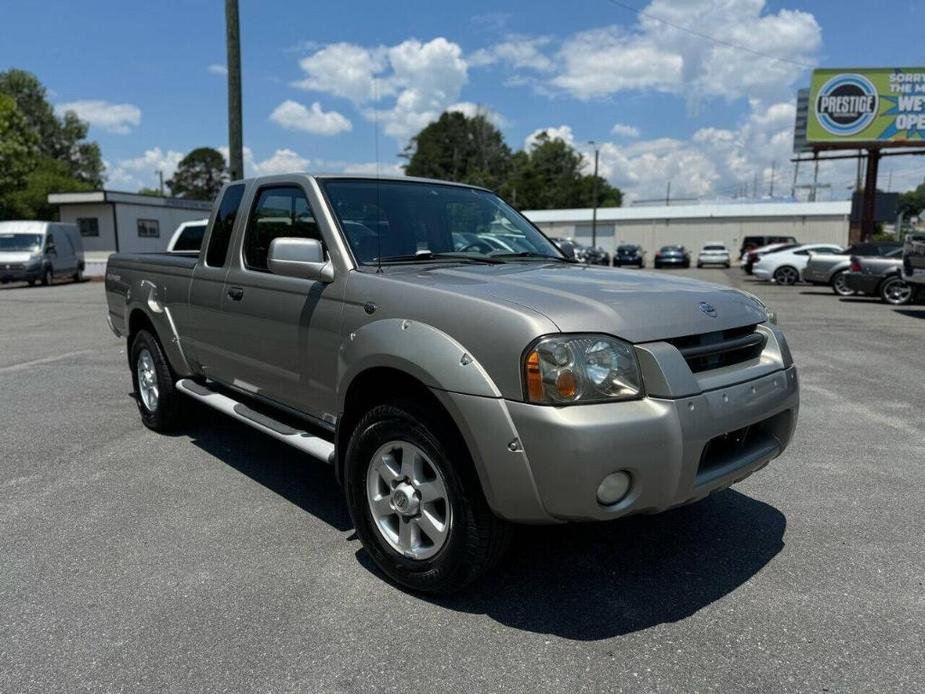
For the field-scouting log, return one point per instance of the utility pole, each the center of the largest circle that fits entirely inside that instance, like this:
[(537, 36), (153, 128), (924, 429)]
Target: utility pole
[(796, 173), (594, 195), (812, 192), (771, 191), (160, 178), (235, 136), (668, 195)]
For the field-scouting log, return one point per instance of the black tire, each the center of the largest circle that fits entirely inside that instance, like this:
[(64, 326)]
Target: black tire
[(477, 538), (47, 276), (79, 275), (31, 281), (896, 291), (166, 412), (839, 287), (786, 276)]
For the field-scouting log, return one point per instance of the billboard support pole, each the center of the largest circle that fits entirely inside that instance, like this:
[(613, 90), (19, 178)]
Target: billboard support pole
[(870, 195), (796, 172)]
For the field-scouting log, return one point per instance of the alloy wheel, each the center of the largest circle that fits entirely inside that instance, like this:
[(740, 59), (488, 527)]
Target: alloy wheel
[(897, 292), (147, 380), (408, 500), (786, 276)]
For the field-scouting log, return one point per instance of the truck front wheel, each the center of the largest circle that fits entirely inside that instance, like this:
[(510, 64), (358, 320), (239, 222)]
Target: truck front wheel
[(157, 398), (416, 503)]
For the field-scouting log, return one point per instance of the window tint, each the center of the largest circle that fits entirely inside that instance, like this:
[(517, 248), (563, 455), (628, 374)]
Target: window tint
[(190, 238), (278, 212), (223, 224)]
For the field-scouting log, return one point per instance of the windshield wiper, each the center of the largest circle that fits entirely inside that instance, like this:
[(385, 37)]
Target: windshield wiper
[(429, 255), (534, 254)]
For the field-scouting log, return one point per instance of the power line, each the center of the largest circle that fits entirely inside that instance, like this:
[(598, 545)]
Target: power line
[(707, 37)]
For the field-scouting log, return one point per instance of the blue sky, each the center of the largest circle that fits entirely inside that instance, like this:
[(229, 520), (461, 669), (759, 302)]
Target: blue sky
[(662, 103)]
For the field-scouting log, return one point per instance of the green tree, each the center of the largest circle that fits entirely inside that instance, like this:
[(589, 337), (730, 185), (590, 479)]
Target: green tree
[(549, 176), (912, 202), (62, 139), (31, 200), (460, 148), (199, 175), (17, 148)]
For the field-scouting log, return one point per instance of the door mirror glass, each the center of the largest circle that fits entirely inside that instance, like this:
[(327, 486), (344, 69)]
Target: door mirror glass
[(299, 257)]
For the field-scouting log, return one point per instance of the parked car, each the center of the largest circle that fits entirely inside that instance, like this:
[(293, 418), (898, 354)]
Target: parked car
[(629, 254), (880, 276), (829, 270), (786, 267), (592, 255), (713, 254), (448, 389), (752, 256), (672, 256), (914, 259), (40, 252), (750, 243), (188, 237)]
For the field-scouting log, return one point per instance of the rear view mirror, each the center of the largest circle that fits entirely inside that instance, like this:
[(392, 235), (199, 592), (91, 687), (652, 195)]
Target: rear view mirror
[(298, 257)]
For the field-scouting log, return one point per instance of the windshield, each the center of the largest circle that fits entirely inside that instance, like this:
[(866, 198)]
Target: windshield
[(714, 248), (20, 242), (397, 221)]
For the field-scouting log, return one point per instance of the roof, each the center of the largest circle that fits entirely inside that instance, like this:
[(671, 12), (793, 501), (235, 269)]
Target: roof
[(22, 226), (116, 196), (732, 210)]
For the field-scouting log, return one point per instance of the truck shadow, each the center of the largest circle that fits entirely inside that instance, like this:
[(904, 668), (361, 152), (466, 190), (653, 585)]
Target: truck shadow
[(595, 581), (303, 481), (584, 582)]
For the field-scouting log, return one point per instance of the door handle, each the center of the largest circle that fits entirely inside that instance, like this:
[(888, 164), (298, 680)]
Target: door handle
[(236, 293)]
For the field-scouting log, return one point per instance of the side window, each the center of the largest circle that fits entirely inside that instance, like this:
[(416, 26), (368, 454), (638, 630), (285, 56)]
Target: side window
[(149, 228), (89, 226), (279, 211), (223, 225), (50, 244), (801, 252)]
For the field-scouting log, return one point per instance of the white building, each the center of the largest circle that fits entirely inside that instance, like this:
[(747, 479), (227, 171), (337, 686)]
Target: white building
[(111, 221), (694, 225)]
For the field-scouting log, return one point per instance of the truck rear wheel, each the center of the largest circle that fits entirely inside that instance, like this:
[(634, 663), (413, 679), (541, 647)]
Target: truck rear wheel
[(416, 502), (157, 398)]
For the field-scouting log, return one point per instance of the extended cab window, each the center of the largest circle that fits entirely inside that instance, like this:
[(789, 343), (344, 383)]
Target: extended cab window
[(279, 212), (223, 225)]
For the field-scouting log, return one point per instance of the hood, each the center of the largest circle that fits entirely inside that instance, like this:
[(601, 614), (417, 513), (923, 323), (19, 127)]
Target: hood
[(633, 305), (15, 257)]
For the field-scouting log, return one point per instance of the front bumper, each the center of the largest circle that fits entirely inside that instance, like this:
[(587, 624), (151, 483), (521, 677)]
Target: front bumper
[(20, 273), (543, 464)]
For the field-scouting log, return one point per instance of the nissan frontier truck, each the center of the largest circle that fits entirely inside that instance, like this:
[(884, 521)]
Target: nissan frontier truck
[(456, 385)]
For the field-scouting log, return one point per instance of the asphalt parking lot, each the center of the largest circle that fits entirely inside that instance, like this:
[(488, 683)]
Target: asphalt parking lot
[(220, 560)]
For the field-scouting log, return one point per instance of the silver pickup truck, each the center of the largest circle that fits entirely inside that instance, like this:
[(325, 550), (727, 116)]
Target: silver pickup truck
[(454, 387)]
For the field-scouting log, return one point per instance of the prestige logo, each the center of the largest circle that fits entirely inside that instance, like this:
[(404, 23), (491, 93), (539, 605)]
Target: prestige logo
[(847, 104)]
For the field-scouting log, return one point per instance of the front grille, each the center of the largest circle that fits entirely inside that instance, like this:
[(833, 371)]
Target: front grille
[(720, 348)]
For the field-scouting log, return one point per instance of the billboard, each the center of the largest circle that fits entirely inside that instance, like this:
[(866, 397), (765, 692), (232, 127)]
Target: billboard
[(867, 106)]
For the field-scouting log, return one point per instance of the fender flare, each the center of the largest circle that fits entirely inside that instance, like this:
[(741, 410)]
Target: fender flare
[(430, 355)]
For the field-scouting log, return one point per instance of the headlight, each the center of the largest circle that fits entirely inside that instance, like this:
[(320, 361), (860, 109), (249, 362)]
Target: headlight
[(772, 315), (569, 369), (34, 260)]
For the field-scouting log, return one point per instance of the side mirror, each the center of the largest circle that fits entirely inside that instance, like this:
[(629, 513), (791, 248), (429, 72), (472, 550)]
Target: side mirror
[(302, 258), (568, 250)]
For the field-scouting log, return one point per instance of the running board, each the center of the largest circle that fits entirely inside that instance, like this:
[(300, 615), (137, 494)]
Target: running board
[(305, 442)]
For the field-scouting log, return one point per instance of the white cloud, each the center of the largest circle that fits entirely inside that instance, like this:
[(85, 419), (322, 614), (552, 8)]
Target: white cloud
[(372, 168), (423, 78), (217, 69), (624, 130), (563, 132), (515, 51), (294, 116), (343, 69), (282, 161), (654, 55), (471, 109), (114, 118), (140, 172)]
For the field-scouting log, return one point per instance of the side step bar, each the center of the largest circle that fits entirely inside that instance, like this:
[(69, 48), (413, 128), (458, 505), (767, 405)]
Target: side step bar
[(305, 442)]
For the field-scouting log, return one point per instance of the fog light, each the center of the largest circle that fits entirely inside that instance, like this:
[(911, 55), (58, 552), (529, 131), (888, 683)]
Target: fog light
[(613, 488)]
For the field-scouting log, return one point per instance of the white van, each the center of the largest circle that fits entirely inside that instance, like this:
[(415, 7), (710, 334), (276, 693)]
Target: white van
[(40, 252)]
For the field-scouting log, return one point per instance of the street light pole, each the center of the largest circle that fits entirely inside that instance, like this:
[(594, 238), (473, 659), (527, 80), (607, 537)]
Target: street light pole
[(594, 195), (235, 137)]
